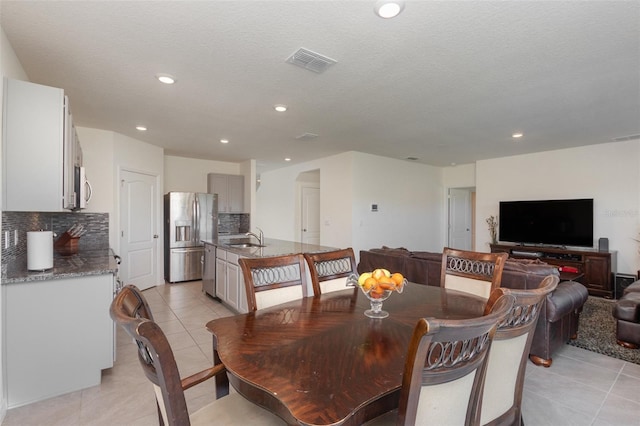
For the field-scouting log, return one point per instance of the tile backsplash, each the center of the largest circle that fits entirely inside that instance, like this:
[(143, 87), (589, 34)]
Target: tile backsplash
[(15, 226), (234, 223)]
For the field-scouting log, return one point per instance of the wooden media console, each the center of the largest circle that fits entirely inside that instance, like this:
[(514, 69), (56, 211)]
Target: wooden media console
[(595, 269)]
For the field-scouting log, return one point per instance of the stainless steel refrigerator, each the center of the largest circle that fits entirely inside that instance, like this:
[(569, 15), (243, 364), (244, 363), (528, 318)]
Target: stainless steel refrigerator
[(189, 218)]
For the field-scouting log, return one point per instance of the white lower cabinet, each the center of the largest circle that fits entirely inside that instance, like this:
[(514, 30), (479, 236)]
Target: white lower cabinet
[(221, 274), (58, 336), (229, 281)]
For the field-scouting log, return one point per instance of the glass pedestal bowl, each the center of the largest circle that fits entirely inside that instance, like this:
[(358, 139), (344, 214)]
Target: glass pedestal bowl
[(376, 296)]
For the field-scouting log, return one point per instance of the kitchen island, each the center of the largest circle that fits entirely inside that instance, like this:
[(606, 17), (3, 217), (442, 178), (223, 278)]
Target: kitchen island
[(222, 277), (58, 335)]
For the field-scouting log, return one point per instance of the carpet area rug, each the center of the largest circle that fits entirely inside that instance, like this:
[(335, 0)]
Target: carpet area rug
[(597, 331)]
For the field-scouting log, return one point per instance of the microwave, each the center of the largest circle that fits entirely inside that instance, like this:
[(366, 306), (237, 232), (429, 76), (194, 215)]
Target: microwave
[(82, 188)]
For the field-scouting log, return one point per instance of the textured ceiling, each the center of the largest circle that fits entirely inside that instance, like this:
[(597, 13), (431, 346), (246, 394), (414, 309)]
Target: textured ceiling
[(446, 82)]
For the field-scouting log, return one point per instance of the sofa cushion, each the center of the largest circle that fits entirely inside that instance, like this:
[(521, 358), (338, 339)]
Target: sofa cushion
[(525, 274)]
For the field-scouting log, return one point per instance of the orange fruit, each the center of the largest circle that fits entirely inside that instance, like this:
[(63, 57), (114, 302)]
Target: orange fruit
[(386, 283), (378, 290), (397, 278), (369, 283)]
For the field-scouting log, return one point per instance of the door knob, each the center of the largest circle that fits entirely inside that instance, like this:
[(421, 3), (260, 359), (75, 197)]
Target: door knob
[(155, 235)]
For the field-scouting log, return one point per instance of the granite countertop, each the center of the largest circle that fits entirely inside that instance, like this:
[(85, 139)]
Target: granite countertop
[(86, 262), (272, 247)]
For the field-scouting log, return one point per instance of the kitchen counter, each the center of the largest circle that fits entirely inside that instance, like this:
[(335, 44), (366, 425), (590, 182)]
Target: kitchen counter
[(84, 263), (272, 247), (223, 277)]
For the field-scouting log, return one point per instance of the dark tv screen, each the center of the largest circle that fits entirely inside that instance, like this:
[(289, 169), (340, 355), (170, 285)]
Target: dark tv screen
[(548, 222)]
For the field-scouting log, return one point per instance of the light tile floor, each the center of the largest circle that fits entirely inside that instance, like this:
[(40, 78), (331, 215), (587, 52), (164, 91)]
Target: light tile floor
[(580, 388)]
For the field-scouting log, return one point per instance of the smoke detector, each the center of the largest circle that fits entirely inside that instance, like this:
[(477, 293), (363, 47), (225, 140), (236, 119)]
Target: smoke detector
[(311, 61)]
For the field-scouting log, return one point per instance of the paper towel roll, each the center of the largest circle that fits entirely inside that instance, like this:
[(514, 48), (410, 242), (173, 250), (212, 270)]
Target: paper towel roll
[(39, 250)]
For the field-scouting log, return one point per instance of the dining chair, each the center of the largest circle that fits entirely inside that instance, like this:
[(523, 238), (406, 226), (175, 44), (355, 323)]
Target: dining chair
[(130, 310), (273, 280), (502, 397), (472, 272), (445, 369), (329, 270)]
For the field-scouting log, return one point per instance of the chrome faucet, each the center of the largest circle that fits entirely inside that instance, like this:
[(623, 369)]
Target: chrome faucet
[(260, 237)]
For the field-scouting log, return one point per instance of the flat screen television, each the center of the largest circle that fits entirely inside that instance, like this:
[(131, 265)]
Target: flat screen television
[(547, 222)]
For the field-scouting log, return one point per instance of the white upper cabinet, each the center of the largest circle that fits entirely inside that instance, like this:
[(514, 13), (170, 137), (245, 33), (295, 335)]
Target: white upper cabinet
[(38, 149), (230, 190)]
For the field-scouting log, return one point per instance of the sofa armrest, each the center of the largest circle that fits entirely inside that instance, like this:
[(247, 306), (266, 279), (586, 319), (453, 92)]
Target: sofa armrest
[(568, 297)]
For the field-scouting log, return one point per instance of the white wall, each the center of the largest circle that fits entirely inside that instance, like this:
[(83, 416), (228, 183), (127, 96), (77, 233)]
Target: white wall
[(277, 201), (190, 174), (462, 176), (609, 173), (10, 67), (105, 155), (409, 198)]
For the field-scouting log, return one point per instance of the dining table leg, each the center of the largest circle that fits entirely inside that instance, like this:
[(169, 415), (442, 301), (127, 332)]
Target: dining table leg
[(222, 381)]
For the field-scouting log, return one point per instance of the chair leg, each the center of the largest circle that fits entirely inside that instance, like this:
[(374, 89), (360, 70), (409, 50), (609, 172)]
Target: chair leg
[(541, 361)]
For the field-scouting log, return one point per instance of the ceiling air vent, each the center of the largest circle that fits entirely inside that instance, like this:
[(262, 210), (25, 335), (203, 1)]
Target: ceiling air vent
[(626, 138), (311, 61), (306, 136)]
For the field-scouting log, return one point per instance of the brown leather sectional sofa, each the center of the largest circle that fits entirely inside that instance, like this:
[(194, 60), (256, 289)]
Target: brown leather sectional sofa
[(558, 321)]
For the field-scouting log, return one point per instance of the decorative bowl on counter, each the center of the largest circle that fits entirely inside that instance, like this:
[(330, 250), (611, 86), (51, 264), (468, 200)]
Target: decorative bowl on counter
[(377, 286)]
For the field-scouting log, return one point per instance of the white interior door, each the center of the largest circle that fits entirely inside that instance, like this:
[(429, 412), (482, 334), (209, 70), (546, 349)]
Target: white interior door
[(138, 229), (460, 219), (310, 215)]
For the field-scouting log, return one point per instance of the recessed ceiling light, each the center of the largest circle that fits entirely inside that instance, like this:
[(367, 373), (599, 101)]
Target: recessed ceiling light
[(388, 8), (224, 140), (517, 135), (280, 108), (287, 159), (166, 78), (141, 128)]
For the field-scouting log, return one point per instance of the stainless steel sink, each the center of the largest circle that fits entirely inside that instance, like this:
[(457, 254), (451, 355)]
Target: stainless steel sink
[(244, 245)]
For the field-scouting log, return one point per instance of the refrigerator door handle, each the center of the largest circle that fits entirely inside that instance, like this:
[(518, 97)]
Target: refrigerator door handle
[(185, 250), (196, 236), (194, 219)]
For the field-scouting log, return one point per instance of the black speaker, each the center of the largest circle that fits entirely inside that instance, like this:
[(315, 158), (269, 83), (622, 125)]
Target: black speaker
[(623, 281), (603, 244)]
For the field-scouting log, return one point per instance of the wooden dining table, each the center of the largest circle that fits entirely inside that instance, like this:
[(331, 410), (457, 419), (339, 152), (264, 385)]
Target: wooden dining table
[(320, 361)]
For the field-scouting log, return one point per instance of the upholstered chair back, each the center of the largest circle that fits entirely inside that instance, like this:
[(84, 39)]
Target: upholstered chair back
[(329, 270), (270, 281), (502, 397), (472, 272)]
